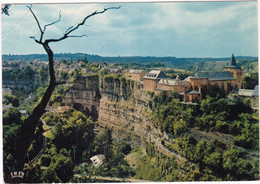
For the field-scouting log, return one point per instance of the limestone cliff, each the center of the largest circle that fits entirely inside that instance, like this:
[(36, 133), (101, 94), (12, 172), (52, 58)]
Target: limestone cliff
[(121, 105), (124, 109), (84, 95)]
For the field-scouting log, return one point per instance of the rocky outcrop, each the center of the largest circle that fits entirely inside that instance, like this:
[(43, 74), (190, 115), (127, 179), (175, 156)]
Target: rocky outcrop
[(84, 95), (124, 109)]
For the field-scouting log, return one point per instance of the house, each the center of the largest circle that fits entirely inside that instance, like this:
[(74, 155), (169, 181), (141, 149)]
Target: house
[(136, 74), (31, 98), (252, 95), (245, 92), (193, 96), (64, 67), (23, 112), (172, 85), (7, 91), (116, 70), (255, 98), (151, 79), (97, 160), (80, 63), (57, 109), (37, 64)]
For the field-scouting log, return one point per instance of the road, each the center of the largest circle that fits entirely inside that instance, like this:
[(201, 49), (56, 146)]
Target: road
[(114, 179), (43, 145)]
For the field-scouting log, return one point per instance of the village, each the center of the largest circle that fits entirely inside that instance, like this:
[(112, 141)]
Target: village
[(194, 88)]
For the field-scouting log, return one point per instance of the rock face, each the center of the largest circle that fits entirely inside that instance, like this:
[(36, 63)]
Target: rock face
[(17, 84), (84, 95), (119, 104), (124, 109)]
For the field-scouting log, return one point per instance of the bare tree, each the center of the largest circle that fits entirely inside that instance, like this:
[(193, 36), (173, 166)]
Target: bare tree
[(26, 133)]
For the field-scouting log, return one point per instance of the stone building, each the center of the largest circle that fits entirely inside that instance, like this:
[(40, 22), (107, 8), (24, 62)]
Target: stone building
[(194, 88), (172, 85), (118, 70), (137, 74), (236, 71), (228, 79), (255, 100), (193, 96), (152, 78), (252, 95), (7, 91), (98, 160)]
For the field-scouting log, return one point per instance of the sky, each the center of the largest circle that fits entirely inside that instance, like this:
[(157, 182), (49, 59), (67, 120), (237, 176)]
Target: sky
[(180, 29)]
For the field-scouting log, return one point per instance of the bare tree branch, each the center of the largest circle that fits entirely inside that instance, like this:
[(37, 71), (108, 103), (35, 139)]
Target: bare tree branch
[(75, 36), (38, 23), (68, 29), (71, 29), (52, 23), (33, 37), (37, 41)]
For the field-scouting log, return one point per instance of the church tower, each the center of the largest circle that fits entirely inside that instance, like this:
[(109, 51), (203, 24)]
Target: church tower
[(236, 71)]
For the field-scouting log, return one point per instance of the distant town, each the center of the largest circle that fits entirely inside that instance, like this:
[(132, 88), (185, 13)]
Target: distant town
[(193, 87)]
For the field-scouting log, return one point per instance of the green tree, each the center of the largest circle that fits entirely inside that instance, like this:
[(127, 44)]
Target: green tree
[(230, 158), (45, 160), (237, 168), (63, 165), (63, 75), (43, 72), (12, 116), (27, 74), (214, 160), (103, 143), (180, 127), (216, 92), (11, 99), (74, 131), (250, 81), (50, 176)]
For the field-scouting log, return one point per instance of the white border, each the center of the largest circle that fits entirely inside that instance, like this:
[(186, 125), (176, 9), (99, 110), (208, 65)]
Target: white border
[(109, 1)]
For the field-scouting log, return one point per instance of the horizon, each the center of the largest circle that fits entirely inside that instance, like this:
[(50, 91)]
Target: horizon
[(172, 29), (221, 57)]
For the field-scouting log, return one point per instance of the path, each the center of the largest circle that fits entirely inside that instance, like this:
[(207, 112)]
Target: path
[(43, 145)]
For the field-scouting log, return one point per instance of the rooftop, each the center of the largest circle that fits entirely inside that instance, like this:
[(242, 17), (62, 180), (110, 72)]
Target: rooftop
[(214, 75), (173, 82), (136, 71), (233, 64), (6, 89), (188, 78), (245, 92), (249, 92), (194, 92), (155, 74)]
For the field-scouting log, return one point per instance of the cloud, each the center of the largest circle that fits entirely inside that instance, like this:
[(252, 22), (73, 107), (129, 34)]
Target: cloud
[(158, 29)]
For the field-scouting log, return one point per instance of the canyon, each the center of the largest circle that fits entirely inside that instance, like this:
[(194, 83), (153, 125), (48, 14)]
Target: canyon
[(122, 105), (119, 104)]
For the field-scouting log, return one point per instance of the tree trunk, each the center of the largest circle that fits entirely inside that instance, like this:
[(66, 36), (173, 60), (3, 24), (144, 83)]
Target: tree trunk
[(26, 133)]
